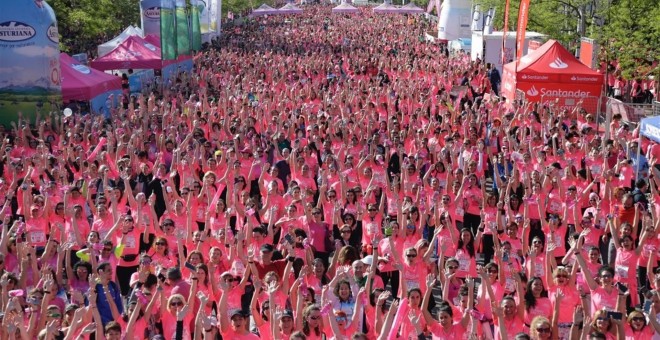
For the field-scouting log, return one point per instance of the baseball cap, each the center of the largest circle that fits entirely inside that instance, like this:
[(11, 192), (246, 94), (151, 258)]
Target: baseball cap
[(368, 260), (235, 312), (267, 248), (287, 313)]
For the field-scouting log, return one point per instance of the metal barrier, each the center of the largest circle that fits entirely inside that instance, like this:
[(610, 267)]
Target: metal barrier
[(593, 105), (632, 113)]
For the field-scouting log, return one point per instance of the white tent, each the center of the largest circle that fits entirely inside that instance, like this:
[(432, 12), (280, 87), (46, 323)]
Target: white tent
[(411, 8), (386, 8), (345, 8), (290, 9), (107, 47), (263, 10)]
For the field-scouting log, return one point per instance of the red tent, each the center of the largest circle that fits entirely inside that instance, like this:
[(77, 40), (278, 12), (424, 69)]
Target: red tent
[(550, 73), (135, 53)]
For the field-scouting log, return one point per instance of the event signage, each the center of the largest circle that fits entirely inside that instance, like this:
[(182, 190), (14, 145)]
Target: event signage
[(523, 14), (150, 14), (504, 32), (167, 30), (29, 49), (13, 31)]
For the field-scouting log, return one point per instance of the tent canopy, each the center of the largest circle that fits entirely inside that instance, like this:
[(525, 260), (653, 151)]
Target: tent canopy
[(345, 8), (551, 72), (263, 10), (650, 128), (386, 8), (411, 8), (80, 82), (130, 31), (133, 53), (290, 9)]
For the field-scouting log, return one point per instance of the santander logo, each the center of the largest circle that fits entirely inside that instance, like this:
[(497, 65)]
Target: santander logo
[(532, 92), (558, 63)]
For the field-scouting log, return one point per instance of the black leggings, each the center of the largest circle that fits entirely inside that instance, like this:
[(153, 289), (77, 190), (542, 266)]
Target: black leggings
[(124, 278), (393, 278)]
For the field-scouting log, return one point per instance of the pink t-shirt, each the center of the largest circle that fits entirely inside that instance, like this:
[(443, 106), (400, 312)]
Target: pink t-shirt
[(601, 299), (456, 331)]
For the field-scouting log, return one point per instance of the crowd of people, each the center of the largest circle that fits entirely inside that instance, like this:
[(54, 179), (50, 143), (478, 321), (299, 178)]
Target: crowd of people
[(326, 176)]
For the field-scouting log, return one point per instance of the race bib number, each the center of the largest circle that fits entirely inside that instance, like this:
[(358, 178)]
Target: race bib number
[(412, 284), (200, 214), (510, 285), (130, 242), (621, 271), (37, 236), (539, 270), (463, 264), (460, 211)]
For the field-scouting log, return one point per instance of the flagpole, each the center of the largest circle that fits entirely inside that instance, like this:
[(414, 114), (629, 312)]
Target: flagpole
[(218, 13)]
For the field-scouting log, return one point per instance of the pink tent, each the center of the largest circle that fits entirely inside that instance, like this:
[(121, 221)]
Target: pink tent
[(80, 82), (135, 53), (386, 8), (152, 39)]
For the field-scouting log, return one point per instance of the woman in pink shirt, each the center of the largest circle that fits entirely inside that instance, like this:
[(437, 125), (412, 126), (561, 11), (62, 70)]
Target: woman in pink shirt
[(537, 302), (626, 256), (603, 295)]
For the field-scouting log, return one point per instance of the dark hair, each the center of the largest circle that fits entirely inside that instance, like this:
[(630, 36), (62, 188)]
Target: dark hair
[(338, 286), (470, 245), (87, 266), (103, 266), (530, 300), (112, 326)]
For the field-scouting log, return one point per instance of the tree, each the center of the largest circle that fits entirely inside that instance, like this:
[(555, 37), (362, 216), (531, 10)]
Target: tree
[(631, 35), (629, 30), (83, 24)]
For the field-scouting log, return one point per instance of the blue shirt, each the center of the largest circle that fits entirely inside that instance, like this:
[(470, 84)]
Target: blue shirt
[(103, 305)]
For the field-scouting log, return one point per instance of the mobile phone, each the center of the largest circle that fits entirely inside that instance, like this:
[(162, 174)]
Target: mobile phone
[(621, 287), (190, 266), (97, 246), (289, 238), (505, 257), (615, 315), (647, 306)]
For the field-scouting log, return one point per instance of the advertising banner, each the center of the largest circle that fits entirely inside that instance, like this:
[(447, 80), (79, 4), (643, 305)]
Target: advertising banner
[(523, 14), (182, 28), (30, 67), (168, 30), (150, 14)]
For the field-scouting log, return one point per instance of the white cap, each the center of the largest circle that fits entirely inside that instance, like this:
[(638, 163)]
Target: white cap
[(368, 260)]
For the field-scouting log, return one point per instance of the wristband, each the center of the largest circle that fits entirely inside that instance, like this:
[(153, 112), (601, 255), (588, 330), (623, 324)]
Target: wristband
[(251, 262), (46, 292), (209, 330), (291, 258), (227, 245)]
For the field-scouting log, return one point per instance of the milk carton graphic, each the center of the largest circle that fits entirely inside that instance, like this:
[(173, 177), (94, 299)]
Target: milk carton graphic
[(30, 67)]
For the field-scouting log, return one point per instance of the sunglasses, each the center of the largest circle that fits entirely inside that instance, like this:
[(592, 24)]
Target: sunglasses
[(176, 303), (341, 318), (543, 330), (452, 267), (411, 255), (55, 315), (160, 243), (343, 232), (638, 318), (561, 276), (315, 317), (316, 213), (373, 210)]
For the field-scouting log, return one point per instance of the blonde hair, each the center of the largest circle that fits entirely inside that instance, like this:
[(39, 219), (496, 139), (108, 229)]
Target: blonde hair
[(537, 321)]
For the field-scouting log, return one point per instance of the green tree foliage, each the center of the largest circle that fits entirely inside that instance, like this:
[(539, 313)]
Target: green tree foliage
[(83, 23), (629, 30), (632, 35)]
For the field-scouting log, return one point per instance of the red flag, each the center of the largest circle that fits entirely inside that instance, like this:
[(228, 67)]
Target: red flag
[(523, 13), (505, 31)]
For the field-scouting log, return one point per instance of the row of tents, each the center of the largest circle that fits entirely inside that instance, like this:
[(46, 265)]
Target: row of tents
[(344, 7), (128, 50)]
